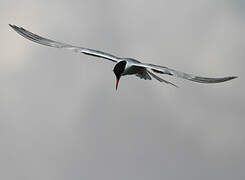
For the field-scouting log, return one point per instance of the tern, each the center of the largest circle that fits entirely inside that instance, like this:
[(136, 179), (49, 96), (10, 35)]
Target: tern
[(123, 66)]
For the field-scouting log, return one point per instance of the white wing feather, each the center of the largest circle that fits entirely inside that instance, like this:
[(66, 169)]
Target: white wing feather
[(172, 72), (48, 42)]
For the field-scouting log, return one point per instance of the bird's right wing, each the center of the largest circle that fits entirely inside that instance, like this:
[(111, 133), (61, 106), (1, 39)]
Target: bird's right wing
[(172, 72), (48, 42)]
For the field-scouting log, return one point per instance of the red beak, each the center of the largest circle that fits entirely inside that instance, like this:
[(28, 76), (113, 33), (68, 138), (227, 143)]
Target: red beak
[(117, 81)]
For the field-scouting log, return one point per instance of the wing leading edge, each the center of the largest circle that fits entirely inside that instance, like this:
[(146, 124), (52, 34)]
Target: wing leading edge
[(48, 42)]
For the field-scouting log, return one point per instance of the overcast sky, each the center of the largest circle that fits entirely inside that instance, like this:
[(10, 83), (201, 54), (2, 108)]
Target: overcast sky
[(61, 118)]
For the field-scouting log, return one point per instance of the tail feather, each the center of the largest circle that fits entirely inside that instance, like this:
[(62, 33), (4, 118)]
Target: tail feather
[(144, 76), (160, 79)]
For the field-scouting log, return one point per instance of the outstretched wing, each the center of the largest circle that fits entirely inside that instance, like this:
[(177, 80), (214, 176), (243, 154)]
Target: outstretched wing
[(172, 72), (47, 42)]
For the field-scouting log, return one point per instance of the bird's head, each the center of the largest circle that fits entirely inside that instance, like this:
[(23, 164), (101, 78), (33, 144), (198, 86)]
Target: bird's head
[(118, 70)]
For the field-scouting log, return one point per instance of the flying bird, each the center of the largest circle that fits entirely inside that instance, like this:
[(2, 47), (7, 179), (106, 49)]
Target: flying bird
[(123, 66)]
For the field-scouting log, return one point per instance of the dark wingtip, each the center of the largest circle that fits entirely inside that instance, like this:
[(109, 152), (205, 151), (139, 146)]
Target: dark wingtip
[(11, 25), (230, 78), (212, 80), (233, 77)]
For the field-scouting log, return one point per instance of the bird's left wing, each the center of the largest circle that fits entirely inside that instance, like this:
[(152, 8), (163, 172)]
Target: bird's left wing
[(172, 72), (48, 42)]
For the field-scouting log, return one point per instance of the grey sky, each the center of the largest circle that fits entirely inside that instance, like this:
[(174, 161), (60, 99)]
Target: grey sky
[(61, 118)]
